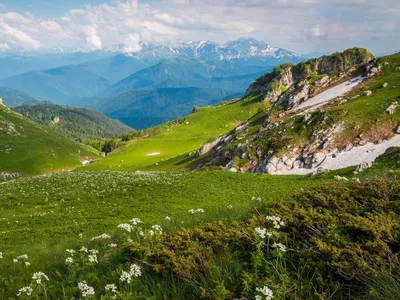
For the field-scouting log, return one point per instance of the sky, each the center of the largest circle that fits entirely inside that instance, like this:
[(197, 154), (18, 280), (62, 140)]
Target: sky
[(302, 26)]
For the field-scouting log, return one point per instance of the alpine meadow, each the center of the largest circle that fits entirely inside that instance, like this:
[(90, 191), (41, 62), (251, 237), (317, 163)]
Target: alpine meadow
[(158, 150)]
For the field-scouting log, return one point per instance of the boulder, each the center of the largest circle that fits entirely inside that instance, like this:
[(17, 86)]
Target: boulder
[(397, 130), (363, 166), (390, 110)]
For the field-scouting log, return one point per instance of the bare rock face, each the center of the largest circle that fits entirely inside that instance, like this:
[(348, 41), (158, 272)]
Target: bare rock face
[(288, 86), (207, 147)]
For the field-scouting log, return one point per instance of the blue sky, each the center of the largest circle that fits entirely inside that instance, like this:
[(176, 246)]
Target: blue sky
[(297, 25)]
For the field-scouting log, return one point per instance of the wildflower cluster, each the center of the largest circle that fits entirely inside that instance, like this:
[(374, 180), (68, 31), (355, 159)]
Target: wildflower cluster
[(278, 223), (86, 290), (112, 288), (193, 211), (25, 290), (103, 236), (134, 271), (135, 221), (279, 246), (21, 257), (126, 226), (38, 276), (262, 232), (266, 293)]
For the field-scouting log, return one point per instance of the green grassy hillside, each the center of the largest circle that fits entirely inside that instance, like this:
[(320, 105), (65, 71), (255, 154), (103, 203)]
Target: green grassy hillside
[(178, 138), (77, 123), (28, 148)]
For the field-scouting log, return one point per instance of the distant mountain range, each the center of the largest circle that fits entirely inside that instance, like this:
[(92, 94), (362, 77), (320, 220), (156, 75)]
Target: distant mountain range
[(203, 70)]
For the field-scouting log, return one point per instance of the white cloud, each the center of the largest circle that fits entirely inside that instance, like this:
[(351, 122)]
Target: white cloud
[(316, 33), (93, 41), (17, 38), (132, 43), (4, 47), (298, 25)]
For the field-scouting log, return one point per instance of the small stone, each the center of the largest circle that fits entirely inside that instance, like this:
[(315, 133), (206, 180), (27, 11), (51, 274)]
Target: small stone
[(390, 110), (367, 93), (397, 130), (233, 170)]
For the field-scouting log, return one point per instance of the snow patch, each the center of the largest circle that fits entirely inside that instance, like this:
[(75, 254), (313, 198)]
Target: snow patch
[(330, 94), (356, 156), (153, 153)]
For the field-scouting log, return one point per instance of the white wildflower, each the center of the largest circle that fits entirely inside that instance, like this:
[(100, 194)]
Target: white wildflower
[(192, 211), (38, 276), (135, 270), (111, 287), (278, 223), (151, 232), (200, 210), (261, 232), (229, 207), (157, 229), (69, 260), (86, 290), (125, 276), (135, 221), (27, 263), (266, 292), (113, 245), (103, 236), (80, 235), (129, 240), (25, 290), (21, 257), (279, 246), (126, 226), (83, 249), (71, 251), (94, 251), (256, 199), (93, 258), (1, 255), (167, 218)]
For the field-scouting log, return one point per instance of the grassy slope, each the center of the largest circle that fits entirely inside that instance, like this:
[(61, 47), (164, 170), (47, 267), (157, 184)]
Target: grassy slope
[(38, 212), (178, 140), (31, 149)]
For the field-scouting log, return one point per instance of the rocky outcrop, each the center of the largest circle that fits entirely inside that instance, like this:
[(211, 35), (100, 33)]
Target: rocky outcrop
[(288, 86)]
